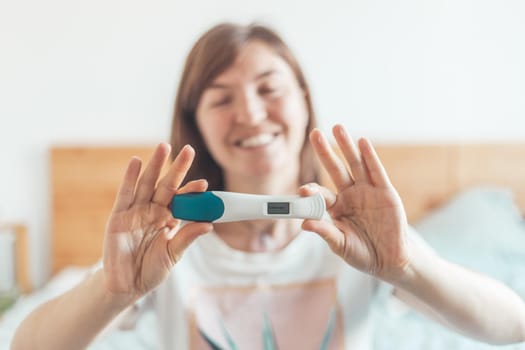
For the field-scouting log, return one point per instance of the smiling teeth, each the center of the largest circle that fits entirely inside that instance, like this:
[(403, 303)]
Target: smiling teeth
[(256, 141)]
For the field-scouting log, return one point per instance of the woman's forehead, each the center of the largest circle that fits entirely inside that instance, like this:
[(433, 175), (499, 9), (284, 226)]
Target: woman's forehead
[(255, 60)]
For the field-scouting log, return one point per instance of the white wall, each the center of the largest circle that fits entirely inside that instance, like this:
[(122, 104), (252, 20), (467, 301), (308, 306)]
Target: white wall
[(105, 71)]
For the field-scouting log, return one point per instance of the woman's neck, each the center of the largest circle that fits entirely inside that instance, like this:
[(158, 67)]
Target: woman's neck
[(260, 235)]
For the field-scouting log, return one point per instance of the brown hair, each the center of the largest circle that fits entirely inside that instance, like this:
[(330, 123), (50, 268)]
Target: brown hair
[(211, 55)]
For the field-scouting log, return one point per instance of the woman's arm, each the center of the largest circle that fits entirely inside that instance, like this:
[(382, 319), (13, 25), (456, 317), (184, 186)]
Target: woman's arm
[(369, 230), (142, 243), (72, 320), (470, 303)]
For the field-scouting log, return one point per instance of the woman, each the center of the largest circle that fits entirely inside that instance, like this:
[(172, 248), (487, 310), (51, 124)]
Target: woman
[(245, 108)]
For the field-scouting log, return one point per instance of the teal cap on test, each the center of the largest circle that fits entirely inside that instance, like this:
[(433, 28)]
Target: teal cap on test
[(197, 206)]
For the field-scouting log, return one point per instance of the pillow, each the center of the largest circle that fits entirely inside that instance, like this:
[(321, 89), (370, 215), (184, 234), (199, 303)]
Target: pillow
[(481, 229)]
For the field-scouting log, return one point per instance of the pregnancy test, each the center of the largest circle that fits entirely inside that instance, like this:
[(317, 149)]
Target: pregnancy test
[(220, 206)]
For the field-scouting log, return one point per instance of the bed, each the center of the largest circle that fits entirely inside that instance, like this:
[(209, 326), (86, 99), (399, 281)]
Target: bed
[(466, 200)]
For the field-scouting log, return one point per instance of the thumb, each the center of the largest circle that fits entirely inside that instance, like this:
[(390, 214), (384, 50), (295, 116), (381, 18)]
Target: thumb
[(313, 188), (184, 237)]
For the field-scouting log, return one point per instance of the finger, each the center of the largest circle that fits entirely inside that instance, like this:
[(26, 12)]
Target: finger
[(376, 171), (170, 183), (327, 231), (332, 163), (313, 188), (184, 237), (127, 188), (200, 185), (350, 152), (148, 180)]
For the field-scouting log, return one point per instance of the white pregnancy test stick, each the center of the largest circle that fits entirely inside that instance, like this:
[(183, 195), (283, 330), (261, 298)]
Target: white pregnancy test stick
[(219, 206)]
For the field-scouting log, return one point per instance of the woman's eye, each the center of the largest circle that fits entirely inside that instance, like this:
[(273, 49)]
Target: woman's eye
[(266, 90), (222, 101)]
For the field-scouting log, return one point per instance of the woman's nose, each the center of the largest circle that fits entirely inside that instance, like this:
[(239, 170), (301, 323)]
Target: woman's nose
[(250, 110)]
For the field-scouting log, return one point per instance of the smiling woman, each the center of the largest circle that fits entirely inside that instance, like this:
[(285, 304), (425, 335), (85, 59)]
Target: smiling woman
[(259, 123), (250, 99)]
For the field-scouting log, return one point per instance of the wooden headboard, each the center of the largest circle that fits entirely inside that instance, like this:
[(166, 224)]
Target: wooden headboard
[(85, 180)]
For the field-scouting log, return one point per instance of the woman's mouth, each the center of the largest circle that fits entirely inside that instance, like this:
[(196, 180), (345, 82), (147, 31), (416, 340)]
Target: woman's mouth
[(259, 140)]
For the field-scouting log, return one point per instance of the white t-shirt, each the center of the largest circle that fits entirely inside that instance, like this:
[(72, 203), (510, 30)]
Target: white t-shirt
[(301, 297)]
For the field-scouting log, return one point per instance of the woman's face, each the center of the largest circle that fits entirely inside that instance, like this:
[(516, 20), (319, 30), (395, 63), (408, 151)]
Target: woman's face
[(253, 116)]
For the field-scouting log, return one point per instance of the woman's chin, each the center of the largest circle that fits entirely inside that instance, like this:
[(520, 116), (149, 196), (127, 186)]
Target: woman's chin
[(274, 169)]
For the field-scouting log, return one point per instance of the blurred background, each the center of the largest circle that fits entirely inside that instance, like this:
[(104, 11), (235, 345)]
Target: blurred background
[(105, 72)]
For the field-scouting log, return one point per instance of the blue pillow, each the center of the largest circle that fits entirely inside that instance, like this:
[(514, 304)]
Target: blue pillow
[(477, 220), (481, 229)]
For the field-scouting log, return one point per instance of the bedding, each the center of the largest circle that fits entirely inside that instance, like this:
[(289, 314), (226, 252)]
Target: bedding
[(479, 228)]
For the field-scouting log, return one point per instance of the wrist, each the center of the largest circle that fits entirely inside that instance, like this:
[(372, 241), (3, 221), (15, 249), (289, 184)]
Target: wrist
[(114, 300), (420, 266)]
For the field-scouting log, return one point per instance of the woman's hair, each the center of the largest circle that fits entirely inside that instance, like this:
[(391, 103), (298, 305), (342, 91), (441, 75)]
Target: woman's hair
[(211, 55)]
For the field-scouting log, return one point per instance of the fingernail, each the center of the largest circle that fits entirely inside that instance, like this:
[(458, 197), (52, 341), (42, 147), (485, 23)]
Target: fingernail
[(342, 132), (320, 138), (187, 147)]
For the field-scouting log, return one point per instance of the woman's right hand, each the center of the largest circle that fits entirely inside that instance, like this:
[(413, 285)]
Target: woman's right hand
[(142, 240)]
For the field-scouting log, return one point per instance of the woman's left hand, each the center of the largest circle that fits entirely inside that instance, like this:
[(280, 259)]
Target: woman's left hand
[(368, 228)]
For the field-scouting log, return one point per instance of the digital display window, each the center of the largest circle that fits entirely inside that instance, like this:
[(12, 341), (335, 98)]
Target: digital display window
[(278, 208)]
